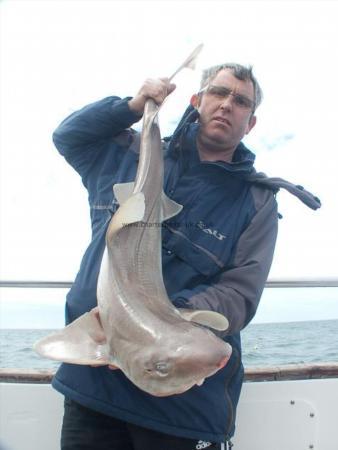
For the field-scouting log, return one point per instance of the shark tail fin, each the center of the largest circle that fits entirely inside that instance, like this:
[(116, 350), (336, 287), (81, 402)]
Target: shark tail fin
[(81, 342)]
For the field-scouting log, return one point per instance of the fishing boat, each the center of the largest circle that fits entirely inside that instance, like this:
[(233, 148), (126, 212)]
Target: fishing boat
[(291, 407)]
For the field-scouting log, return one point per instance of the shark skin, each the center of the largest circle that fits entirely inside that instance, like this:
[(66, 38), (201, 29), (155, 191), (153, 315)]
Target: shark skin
[(161, 349)]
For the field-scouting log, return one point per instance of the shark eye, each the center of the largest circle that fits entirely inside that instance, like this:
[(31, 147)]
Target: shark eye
[(162, 368)]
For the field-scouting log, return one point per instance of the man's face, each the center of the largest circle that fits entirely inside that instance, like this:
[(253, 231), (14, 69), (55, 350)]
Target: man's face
[(225, 119)]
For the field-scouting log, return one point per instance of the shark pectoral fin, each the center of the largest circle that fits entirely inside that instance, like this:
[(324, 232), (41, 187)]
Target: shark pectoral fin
[(169, 207), (131, 211), (81, 342), (123, 191), (210, 319)]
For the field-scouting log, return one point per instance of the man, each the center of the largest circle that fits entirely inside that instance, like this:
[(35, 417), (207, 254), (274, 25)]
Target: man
[(216, 255)]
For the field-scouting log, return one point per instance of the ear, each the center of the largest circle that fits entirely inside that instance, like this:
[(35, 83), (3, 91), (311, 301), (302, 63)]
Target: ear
[(195, 101), (251, 124)]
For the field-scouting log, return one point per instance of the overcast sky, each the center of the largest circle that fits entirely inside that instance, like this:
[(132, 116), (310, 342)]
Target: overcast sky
[(56, 56)]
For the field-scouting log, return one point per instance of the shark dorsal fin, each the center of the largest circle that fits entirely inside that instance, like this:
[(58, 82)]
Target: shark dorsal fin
[(207, 318), (123, 191), (131, 211), (169, 207)]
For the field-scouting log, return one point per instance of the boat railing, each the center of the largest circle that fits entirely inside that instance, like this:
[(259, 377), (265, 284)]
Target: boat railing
[(275, 373), (271, 283)]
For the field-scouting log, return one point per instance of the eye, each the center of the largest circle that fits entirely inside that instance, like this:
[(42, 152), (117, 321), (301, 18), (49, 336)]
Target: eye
[(218, 91), (162, 368), (242, 101)]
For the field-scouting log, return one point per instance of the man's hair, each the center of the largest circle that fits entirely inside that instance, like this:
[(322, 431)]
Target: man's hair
[(240, 72)]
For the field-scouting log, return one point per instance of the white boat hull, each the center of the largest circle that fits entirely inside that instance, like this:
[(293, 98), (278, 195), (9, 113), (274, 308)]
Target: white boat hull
[(272, 415)]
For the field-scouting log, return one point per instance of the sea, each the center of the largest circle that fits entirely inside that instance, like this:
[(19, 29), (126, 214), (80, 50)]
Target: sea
[(264, 344)]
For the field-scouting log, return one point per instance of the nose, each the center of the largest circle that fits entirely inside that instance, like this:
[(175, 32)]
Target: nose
[(226, 103)]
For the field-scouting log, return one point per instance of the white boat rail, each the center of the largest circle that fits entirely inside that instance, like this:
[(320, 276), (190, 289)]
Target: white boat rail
[(271, 283)]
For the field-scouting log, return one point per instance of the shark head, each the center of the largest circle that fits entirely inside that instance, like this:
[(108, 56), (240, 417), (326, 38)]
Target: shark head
[(181, 361)]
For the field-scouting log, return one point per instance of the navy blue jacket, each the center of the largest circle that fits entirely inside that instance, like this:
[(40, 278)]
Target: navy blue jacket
[(216, 255)]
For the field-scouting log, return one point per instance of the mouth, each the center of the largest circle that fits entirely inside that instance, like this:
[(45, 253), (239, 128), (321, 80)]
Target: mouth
[(222, 120), (176, 391)]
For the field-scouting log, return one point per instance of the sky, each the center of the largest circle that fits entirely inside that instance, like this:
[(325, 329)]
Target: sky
[(57, 56)]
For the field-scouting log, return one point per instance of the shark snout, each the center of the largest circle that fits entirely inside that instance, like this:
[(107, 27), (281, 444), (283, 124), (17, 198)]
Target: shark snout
[(226, 355), (223, 362)]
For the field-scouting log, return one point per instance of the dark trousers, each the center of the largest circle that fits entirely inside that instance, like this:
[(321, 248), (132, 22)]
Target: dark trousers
[(85, 429)]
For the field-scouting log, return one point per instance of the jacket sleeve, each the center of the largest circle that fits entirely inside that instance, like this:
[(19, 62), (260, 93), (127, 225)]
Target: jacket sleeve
[(236, 292), (81, 136)]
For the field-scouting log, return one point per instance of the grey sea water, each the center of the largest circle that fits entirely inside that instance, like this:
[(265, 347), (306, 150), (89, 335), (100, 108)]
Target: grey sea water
[(263, 345)]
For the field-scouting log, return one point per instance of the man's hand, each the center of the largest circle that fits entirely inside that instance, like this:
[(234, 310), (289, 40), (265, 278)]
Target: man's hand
[(157, 89)]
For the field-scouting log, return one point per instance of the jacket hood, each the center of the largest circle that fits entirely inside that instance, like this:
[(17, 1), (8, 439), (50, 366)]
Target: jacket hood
[(190, 116), (276, 183)]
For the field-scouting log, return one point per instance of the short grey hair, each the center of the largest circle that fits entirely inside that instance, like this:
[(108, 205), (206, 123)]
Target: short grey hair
[(243, 73)]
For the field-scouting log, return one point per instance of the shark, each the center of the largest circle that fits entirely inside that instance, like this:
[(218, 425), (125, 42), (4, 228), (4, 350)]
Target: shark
[(135, 327)]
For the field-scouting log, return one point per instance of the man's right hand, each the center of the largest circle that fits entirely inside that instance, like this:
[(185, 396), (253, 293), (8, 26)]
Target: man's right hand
[(157, 89)]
